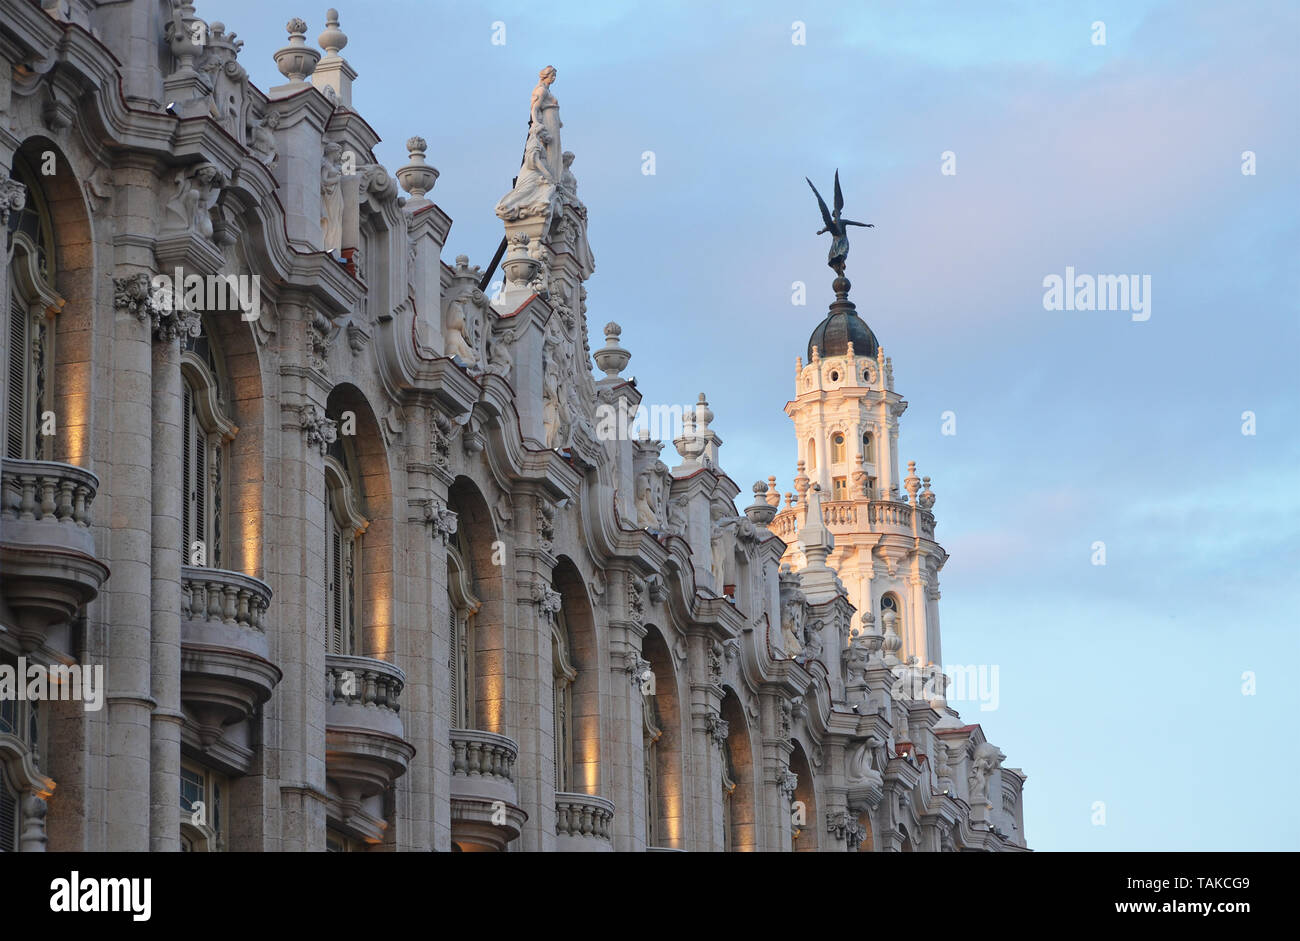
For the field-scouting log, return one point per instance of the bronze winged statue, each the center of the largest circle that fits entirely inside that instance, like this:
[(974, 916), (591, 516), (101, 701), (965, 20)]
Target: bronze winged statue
[(837, 227)]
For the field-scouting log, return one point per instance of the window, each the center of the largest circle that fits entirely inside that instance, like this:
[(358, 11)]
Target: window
[(31, 303), (812, 453), (462, 607), (837, 448), (202, 795), (563, 675), (868, 449), (344, 526), (839, 488), (204, 431)]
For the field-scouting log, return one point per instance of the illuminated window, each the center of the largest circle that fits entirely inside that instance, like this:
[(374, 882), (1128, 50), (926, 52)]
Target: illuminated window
[(205, 428), (31, 304), (868, 449), (563, 677), (839, 488), (344, 525), (462, 606)]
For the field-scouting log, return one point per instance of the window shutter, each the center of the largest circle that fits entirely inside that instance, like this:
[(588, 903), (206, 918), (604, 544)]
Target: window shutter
[(453, 663), (200, 471), (8, 818), (18, 358), (336, 587)]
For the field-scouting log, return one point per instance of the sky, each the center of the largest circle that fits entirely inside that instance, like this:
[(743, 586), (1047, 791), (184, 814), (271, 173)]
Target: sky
[(1144, 698)]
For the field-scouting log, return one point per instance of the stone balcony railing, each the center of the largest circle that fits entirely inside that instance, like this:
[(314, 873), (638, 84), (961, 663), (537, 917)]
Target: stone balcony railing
[(365, 748), (482, 784), (47, 547), (582, 822), (844, 517), (226, 672)]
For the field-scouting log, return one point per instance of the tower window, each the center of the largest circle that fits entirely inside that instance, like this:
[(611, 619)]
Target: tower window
[(835, 376), (839, 488), (868, 449), (837, 448)]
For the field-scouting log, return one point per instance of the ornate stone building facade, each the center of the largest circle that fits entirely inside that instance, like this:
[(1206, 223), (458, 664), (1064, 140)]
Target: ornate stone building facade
[(364, 559)]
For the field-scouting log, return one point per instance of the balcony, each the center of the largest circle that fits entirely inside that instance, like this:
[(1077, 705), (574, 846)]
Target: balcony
[(485, 815), (582, 823), (365, 751), (47, 549), (225, 670), (845, 517)]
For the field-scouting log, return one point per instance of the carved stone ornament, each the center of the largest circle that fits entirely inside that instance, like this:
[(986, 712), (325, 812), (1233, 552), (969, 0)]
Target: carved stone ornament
[(546, 598), (844, 826), (441, 519), (788, 782), (134, 294), (321, 432), (635, 600), (718, 729), (636, 667), (13, 197)]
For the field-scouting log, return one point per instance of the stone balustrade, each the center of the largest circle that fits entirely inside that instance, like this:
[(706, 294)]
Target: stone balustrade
[(47, 548), (483, 754), (226, 597), (582, 821), (47, 491), (853, 516), (363, 681)]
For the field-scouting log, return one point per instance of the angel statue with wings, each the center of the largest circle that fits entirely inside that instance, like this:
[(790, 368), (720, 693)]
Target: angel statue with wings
[(837, 227)]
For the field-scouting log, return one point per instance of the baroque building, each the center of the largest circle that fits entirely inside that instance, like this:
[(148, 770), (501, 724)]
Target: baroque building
[(364, 558)]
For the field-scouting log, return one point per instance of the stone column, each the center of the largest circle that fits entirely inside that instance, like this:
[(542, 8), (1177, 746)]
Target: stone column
[(165, 581), (295, 567), (702, 752), (130, 537), (622, 709)]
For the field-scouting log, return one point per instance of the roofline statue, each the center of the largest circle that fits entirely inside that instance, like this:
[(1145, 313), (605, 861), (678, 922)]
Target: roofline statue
[(837, 227)]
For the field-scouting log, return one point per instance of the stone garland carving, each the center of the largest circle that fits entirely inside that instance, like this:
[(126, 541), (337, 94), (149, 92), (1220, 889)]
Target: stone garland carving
[(546, 598), (844, 826), (635, 600), (442, 519), (715, 661), (321, 432), (134, 294), (440, 440), (545, 525)]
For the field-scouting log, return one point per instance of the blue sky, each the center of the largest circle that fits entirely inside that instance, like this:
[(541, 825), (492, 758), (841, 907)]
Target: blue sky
[(1120, 684)]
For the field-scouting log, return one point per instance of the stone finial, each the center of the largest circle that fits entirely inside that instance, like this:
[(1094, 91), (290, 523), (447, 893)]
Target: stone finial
[(773, 495), (815, 355), (911, 482), (789, 499), (417, 177), (925, 500), (611, 357), (800, 478), (332, 39), (296, 60), (761, 511)]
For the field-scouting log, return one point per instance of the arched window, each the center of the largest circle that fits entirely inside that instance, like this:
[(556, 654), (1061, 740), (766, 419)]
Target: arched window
[(837, 448), (344, 526), (204, 431), (868, 449), (463, 606), (203, 794), (812, 454), (563, 677), (31, 303)]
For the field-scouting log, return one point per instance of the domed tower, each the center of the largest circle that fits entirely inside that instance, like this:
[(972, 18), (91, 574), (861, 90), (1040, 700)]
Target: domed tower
[(845, 413)]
